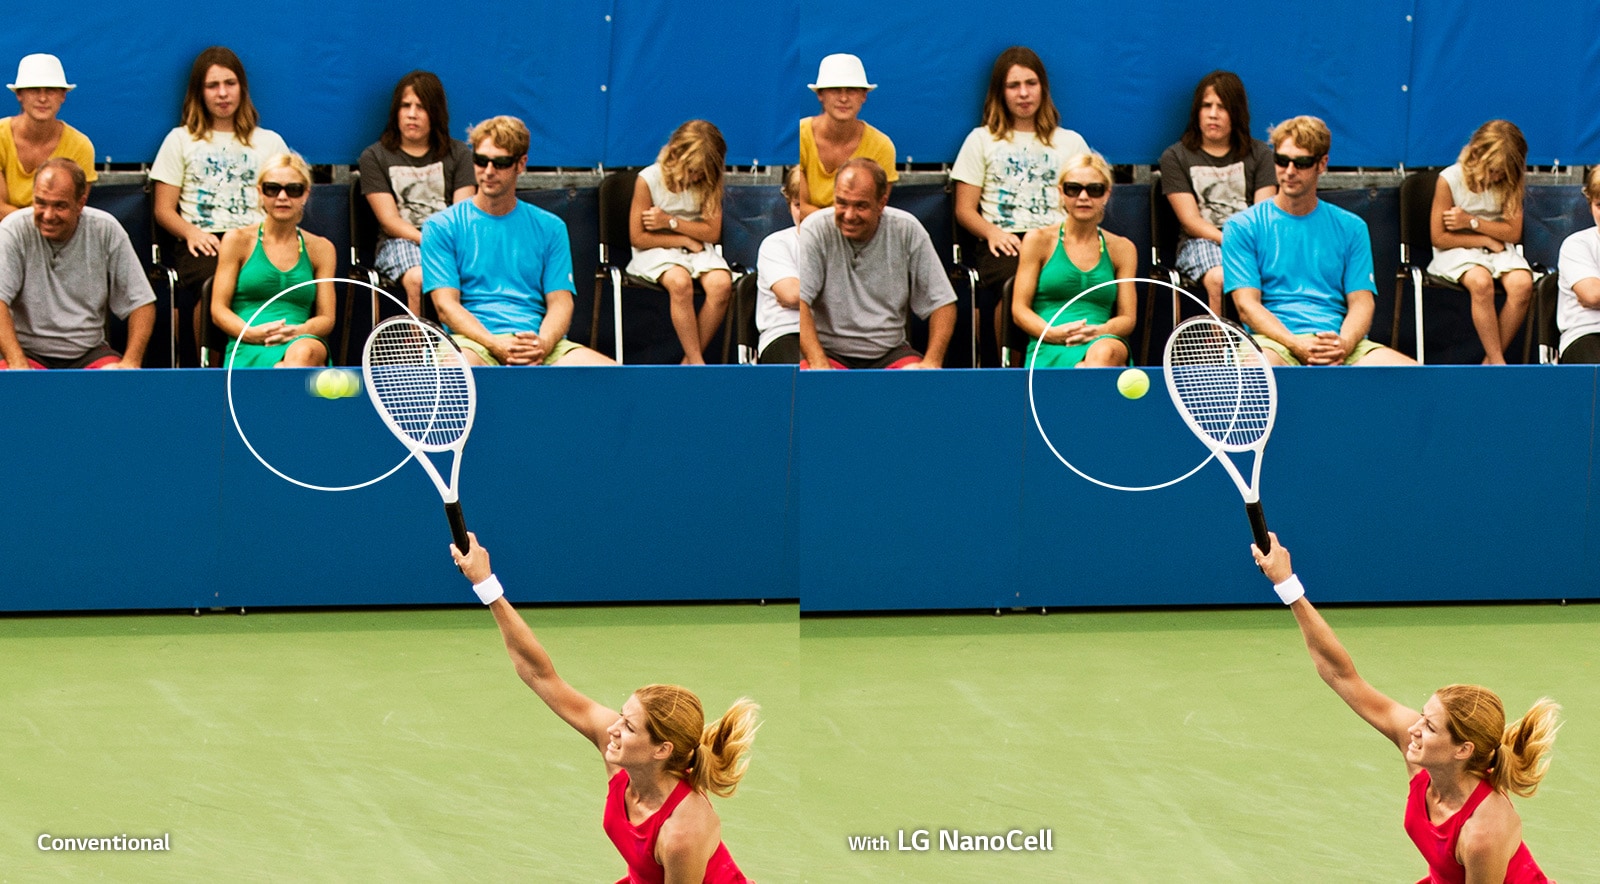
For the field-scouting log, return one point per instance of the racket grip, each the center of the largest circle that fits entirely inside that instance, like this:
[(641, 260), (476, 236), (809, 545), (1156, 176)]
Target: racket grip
[(458, 526), (1258, 525)]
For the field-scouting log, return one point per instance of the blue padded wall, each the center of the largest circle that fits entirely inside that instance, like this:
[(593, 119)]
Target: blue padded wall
[(849, 491)]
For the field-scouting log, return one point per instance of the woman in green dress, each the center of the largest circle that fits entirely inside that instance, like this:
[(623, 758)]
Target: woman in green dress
[(1059, 262), (256, 263)]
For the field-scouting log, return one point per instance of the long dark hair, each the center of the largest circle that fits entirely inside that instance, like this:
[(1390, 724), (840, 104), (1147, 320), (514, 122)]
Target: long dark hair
[(195, 116), (995, 116), (431, 93), (1230, 91)]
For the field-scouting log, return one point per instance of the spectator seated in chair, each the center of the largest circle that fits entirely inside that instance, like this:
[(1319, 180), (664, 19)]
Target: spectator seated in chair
[(35, 135), (830, 138), (62, 267), (863, 268), (499, 270), (410, 173), (778, 283), (1578, 304)]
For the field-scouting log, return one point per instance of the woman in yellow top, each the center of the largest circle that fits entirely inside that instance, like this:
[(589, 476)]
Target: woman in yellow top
[(835, 135), (35, 135)]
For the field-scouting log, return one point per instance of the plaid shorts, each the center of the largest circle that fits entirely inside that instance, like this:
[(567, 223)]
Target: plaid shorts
[(396, 256), (1196, 256)]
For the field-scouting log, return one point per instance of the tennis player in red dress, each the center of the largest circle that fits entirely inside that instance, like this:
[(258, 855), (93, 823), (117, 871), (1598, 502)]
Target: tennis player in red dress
[(1463, 760), (662, 760)]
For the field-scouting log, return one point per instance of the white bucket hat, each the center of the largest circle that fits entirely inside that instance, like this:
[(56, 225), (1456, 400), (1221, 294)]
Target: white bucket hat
[(40, 70), (841, 71)]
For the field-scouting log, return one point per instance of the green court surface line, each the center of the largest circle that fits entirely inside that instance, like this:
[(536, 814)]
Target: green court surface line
[(1166, 745), (362, 745)]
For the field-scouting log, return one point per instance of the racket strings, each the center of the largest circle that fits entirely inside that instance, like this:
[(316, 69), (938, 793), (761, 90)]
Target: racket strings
[(421, 381), (1223, 383)]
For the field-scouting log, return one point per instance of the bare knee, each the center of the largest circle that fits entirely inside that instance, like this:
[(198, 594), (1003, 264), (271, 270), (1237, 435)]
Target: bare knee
[(1478, 283), (677, 283), (1105, 353), (305, 353), (1518, 285)]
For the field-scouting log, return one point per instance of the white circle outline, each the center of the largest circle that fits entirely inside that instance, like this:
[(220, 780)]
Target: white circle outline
[(1034, 407), (234, 413)]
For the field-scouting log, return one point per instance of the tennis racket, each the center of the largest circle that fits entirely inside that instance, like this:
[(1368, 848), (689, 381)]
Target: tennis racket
[(422, 388), (1222, 386)]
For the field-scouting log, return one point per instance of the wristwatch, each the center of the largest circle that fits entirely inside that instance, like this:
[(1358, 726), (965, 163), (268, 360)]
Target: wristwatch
[(673, 223), (1473, 223)]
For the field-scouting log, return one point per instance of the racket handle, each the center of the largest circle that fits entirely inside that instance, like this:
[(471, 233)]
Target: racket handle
[(1258, 525), (458, 526)]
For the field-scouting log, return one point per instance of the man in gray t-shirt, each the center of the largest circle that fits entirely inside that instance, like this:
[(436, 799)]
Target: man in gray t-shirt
[(62, 266), (862, 267)]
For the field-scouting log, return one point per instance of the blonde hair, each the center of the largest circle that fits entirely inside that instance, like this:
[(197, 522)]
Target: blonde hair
[(794, 184), (1090, 160), (695, 146), (1591, 184), (709, 757), (290, 160), (1497, 147), (1310, 133), (505, 132), (1511, 758)]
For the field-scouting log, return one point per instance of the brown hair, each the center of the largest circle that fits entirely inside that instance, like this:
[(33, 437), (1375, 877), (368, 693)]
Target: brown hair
[(709, 757), (430, 92), (1497, 147), (196, 118), (869, 167), (70, 168), (1230, 91), (997, 119), (696, 146), (1511, 758)]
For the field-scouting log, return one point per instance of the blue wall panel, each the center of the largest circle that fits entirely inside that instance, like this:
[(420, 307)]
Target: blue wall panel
[(850, 491), (1538, 66), (605, 82)]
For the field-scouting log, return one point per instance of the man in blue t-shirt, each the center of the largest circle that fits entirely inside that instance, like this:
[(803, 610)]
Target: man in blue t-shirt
[(500, 270), (1299, 269)]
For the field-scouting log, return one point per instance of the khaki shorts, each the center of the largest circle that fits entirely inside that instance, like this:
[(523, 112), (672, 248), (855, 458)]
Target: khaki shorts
[(1358, 353), (556, 354)]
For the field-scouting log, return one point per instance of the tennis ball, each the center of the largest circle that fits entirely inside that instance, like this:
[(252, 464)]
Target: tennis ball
[(1133, 383), (327, 384), (351, 383)]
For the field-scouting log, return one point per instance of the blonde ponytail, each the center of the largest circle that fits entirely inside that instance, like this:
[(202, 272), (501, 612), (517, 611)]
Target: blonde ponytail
[(720, 762), (1523, 755)]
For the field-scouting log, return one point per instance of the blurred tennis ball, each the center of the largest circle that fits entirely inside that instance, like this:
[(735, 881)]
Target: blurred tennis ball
[(334, 383), (1133, 383)]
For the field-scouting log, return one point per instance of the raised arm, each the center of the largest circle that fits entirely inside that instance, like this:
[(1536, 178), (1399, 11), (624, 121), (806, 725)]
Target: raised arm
[(532, 662), (1332, 661)]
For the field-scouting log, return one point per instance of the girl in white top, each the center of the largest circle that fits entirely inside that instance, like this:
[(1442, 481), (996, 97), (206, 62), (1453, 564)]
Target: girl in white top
[(1476, 222), (674, 225), (1007, 170), (1578, 304)]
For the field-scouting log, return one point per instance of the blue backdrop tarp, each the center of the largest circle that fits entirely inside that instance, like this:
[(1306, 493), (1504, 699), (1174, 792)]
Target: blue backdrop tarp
[(1399, 81)]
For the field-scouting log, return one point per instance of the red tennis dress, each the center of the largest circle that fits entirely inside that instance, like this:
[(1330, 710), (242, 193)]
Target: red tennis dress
[(1438, 843), (637, 844)]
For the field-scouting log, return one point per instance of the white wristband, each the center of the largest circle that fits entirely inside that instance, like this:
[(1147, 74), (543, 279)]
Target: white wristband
[(489, 589), (1289, 590)]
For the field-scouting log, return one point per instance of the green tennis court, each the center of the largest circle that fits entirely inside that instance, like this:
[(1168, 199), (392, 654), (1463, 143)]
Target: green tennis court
[(399, 745), (362, 746)]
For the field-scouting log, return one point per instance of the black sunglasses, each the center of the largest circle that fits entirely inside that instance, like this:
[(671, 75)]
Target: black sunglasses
[(1299, 162), (295, 190), (480, 161), (1095, 191)]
